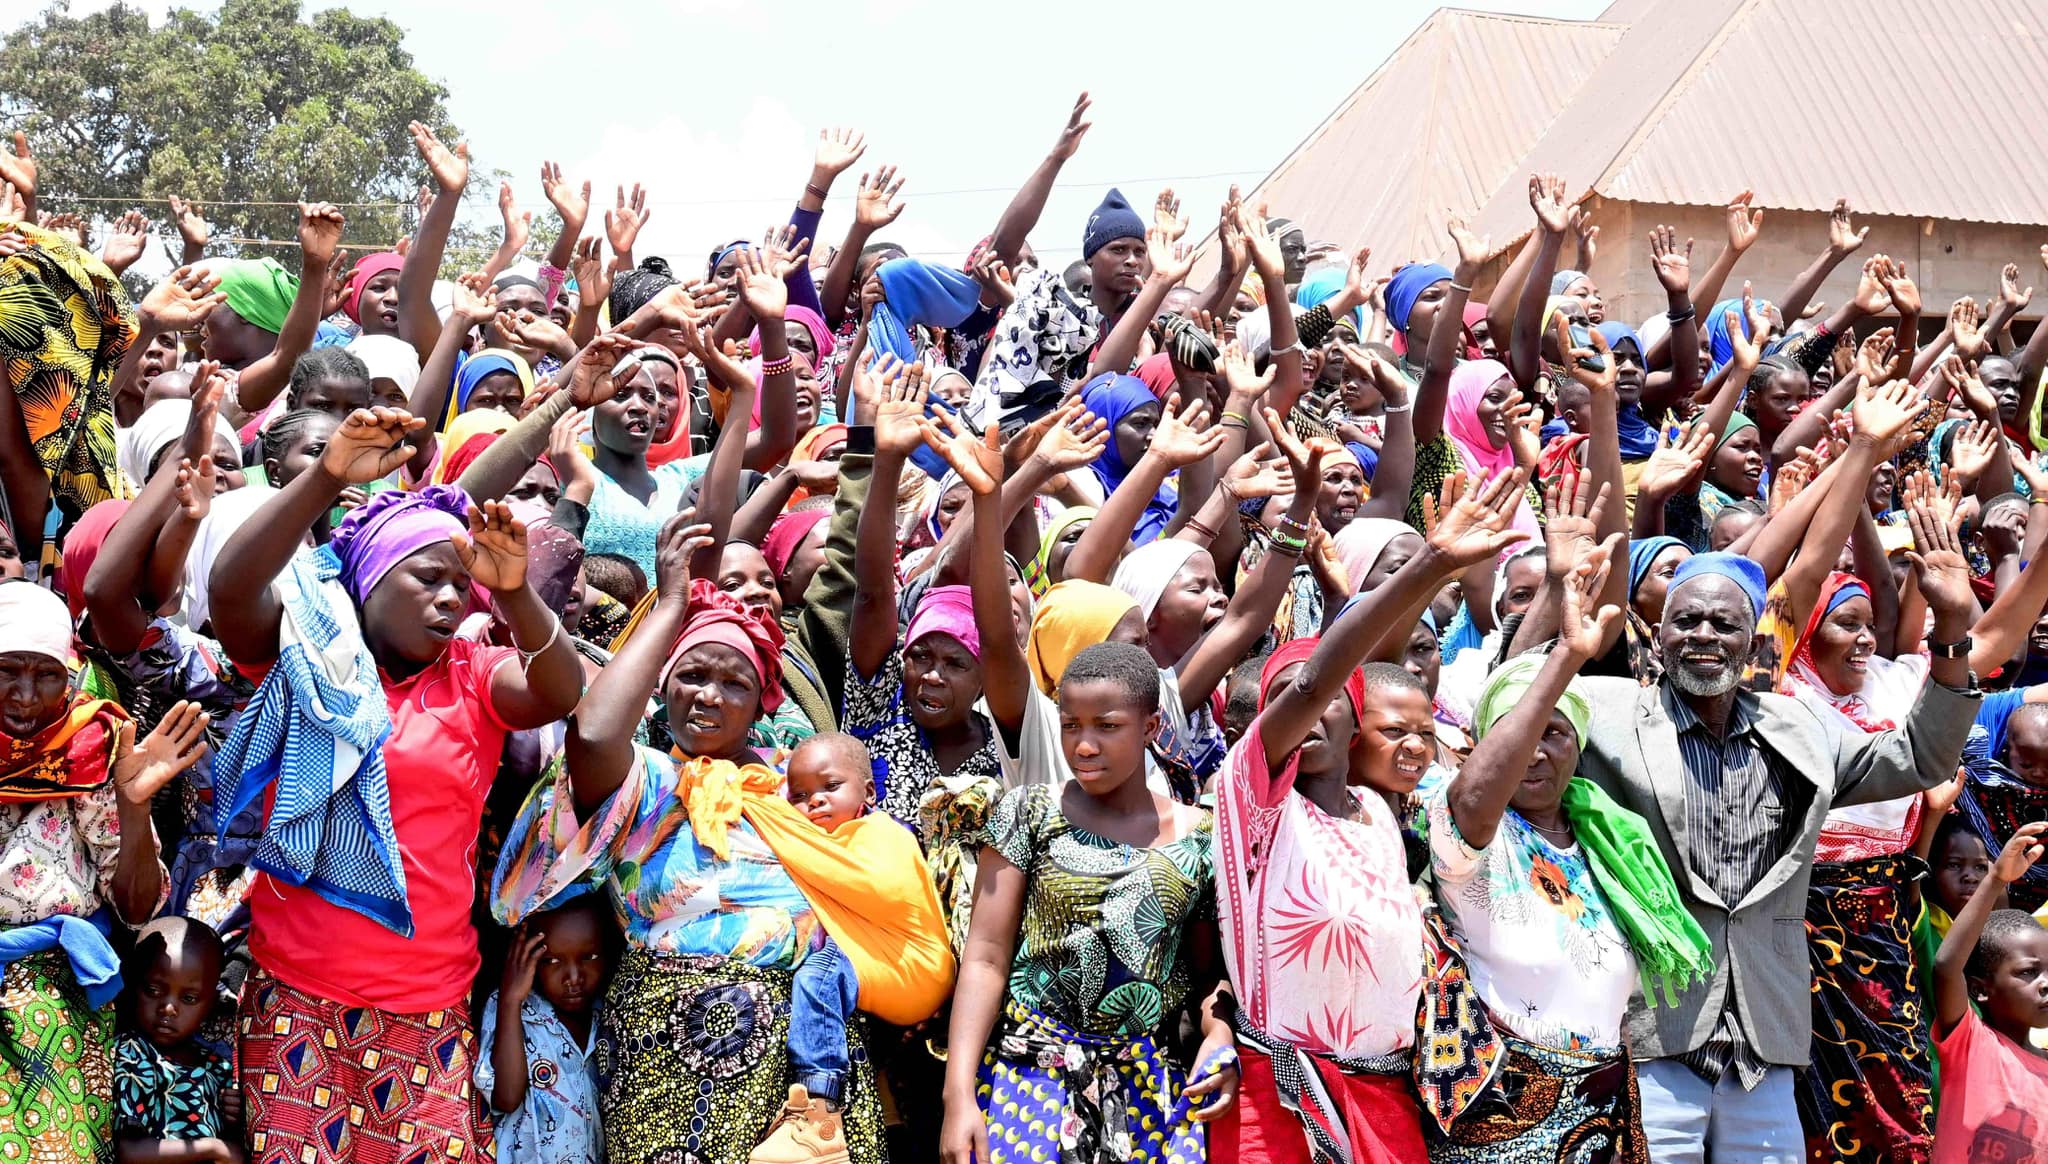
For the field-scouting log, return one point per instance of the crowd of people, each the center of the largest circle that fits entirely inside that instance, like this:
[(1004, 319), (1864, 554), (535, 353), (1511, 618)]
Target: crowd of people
[(832, 705)]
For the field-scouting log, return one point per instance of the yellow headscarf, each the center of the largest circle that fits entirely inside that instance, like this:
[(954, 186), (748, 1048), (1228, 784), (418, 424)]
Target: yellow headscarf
[(867, 880), (1072, 615), (460, 430)]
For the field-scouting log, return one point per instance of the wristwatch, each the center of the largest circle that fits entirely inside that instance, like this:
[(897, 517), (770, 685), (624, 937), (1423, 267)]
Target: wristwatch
[(1960, 649)]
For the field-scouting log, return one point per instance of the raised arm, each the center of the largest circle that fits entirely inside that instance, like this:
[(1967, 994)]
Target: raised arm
[(718, 493), (1499, 762), (368, 445), (1472, 529), (1843, 240), (319, 234), (193, 232), (1951, 988), (1394, 480), (1006, 679), (1014, 227), (1446, 346), (897, 435), (1673, 265), (1525, 340), (762, 290), (518, 231), (598, 749), (418, 324), (1881, 416), (1178, 441), (177, 305), (1171, 260), (874, 207), (574, 208)]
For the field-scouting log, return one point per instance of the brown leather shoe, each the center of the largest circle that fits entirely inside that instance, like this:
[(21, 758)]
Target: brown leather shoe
[(807, 1132)]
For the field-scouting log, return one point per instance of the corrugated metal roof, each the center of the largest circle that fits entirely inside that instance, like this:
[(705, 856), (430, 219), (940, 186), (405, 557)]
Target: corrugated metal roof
[(1433, 132), (1884, 101)]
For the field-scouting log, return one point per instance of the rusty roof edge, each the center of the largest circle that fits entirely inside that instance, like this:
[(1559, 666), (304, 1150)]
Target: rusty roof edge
[(1672, 93)]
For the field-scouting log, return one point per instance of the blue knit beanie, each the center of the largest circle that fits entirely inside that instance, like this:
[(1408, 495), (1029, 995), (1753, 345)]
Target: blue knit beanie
[(1112, 220)]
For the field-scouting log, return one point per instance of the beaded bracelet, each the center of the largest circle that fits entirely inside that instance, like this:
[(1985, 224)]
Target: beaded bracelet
[(778, 367)]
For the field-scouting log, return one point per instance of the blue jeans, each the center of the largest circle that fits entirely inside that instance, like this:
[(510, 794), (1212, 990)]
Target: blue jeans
[(1691, 1121), (822, 998)]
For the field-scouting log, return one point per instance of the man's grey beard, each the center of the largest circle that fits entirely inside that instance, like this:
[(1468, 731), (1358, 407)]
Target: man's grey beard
[(1702, 686)]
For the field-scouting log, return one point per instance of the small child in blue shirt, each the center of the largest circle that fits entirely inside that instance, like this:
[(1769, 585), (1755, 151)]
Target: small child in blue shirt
[(540, 1027)]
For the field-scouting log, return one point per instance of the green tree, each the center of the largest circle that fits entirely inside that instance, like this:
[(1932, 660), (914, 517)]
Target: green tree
[(251, 104)]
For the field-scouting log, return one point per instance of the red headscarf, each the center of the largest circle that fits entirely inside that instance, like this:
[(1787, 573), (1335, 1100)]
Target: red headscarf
[(82, 548), (1157, 373), (789, 532), (1294, 651), (461, 459), (366, 269), (718, 617)]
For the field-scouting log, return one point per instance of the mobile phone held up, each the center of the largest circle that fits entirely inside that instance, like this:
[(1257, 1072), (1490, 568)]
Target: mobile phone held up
[(1582, 337)]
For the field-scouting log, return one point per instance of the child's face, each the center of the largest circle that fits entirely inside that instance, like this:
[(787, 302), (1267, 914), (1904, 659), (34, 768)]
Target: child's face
[(828, 786), (575, 962), (174, 997), (2015, 995), (1959, 868), (1104, 733)]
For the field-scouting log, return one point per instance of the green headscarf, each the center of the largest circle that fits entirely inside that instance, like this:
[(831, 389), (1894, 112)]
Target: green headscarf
[(1036, 574), (258, 290), (1736, 423), (1671, 950)]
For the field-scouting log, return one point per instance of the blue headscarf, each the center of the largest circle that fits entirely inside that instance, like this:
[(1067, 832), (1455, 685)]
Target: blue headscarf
[(1642, 552), (1368, 460), (1719, 345), (1638, 436), (475, 368), (1113, 397), (1323, 286), (1407, 286), (1742, 571), (914, 293)]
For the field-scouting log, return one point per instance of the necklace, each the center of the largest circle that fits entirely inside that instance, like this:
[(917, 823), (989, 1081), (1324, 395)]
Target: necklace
[(1563, 835)]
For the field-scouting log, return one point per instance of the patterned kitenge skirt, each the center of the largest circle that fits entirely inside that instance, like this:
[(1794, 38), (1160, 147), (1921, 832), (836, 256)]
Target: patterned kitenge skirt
[(693, 1063), (327, 1083), (1866, 1095), (56, 1065), (1053, 1094), (1549, 1107)]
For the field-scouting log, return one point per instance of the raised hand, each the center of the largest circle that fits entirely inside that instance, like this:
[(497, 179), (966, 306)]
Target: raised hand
[(1473, 251), (1230, 231), (572, 205), (538, 332), (19, 170), (593, 274), (1885, 411), (1843, 237), (899, 414), (1897, 284), (1749, 349), (1472, 516), (182, 301), (1962, 378), (1966, 327), (1076, 442), (875, 206), (622, 223), (760, 284), (67, 224), (1239, 374), (449, 167), (1070, 136), (1261, 241), (998, 288), (1671, 262), (1573, 530), (1937, 559), (472, 299), (838, 149), (1589, 235), (127, 242), (1182, 440), (978, 459), (680, 538), (1260, 472), (518, 226), (320, 226), (370, 444), (565, 451), (1602, 378), (1675, 462), (1874, 356), (1974, 445), (1525, 425), (2009, 292), (1304, 465), (515, 982), (1166, 215), (1871, 298), (1356, 288), (1171, 260), (1548, 199), (1744, 224), (2020, 853), (208, 387), (1585, 622), (593, 384), (194, 488), (179, 741), (494, 550)]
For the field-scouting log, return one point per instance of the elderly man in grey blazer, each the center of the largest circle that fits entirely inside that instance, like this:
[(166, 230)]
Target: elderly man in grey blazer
[(1735, 786)]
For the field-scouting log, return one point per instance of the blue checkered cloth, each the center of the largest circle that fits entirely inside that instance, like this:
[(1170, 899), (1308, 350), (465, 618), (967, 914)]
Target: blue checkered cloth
[(315, 730)]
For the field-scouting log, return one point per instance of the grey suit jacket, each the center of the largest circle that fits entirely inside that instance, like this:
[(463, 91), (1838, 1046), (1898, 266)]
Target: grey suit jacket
[(1760, 949)]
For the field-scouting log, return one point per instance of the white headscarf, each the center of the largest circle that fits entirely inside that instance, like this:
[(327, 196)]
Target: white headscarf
[(230, 511), (34, 620), (1361, 542), (157, 429), (388, 358), (1147, 571)]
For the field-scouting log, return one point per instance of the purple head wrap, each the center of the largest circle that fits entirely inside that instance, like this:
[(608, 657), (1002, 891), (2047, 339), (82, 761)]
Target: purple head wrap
[(391, 527)]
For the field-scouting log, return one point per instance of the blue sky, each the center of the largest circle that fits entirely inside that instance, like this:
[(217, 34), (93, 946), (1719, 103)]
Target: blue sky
[(715, 105)]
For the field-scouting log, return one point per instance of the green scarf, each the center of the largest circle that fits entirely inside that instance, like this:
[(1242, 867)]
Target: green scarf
[(258, 290), (1670, 948)]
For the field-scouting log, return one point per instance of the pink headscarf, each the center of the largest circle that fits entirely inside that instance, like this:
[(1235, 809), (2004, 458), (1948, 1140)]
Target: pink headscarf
[(1469, 382), (366, 269), (946, 610), (1157, 373)]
